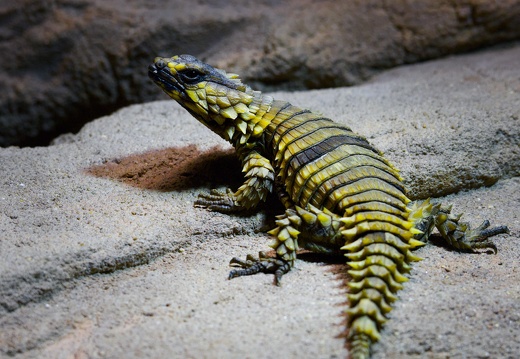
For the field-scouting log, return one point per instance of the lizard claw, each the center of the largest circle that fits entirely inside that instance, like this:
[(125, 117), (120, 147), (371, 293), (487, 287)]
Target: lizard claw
[(480, 236), (262, 264), (218, 201)]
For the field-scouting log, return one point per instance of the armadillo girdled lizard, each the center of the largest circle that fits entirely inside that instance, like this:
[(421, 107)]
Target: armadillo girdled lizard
[(340, 193)]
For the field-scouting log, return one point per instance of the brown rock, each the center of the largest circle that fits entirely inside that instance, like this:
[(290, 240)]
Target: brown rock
[(66, 62)]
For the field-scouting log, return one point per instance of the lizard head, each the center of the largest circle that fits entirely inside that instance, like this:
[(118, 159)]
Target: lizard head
[(212, 96)]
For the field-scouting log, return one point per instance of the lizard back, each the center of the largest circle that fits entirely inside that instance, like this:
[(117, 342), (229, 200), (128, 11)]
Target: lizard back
[(325, 164)]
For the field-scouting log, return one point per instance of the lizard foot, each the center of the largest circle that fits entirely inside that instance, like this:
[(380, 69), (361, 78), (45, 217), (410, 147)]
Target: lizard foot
[(480, 236), (262, 264), (218, 201)]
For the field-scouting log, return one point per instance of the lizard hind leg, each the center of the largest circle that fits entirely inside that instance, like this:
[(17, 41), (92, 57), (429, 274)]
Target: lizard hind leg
[(285, 243), (311, 228), (461, 236), (456, 234), (422, 214)]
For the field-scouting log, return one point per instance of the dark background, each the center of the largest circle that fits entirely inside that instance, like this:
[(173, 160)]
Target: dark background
[(64, 63)]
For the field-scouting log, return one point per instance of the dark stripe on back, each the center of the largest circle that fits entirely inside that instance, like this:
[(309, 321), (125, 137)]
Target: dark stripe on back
[(333, 126), (321, 148), (302, 123), (374, 156)]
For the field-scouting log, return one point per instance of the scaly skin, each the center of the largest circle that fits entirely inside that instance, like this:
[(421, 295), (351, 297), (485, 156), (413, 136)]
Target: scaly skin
[(340, 194)]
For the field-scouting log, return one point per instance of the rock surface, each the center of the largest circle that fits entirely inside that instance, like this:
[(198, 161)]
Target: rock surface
[(102, 254), (67, 62)]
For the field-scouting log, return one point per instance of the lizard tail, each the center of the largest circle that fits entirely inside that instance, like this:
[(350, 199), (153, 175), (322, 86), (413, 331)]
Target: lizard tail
[(360, 346), (379, 261)]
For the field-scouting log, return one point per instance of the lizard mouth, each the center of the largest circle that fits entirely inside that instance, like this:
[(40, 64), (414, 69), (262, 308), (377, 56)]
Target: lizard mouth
[(160, 74)]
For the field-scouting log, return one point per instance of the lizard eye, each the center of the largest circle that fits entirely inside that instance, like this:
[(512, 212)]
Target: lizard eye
[(191, 76), (160, 64)]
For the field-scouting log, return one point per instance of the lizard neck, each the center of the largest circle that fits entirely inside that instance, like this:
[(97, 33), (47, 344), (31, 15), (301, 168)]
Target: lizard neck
[(247, 122)]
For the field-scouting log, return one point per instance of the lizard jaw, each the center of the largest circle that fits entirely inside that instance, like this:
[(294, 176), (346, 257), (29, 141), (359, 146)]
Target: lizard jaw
[(162, 77)]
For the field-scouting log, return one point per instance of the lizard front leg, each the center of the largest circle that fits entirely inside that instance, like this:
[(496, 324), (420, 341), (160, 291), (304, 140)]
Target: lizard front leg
[(259, 175)]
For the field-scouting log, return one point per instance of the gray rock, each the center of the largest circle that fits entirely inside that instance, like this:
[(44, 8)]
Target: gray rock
[(103, 255), (64, 63)]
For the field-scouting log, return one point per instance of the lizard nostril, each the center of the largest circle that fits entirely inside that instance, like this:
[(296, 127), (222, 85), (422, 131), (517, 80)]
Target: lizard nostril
[(152, 68)]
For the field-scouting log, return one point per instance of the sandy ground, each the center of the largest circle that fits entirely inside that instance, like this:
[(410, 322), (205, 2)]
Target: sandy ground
[(104, 256)]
